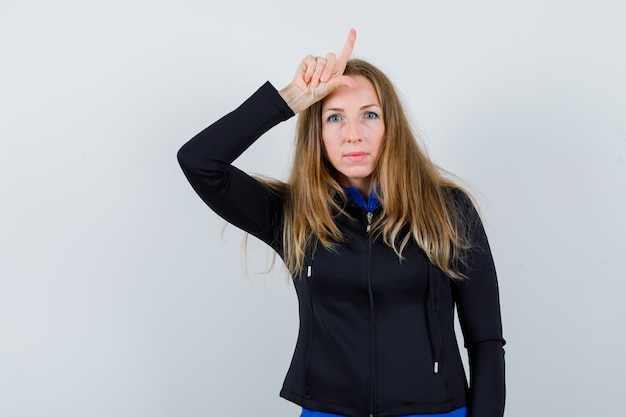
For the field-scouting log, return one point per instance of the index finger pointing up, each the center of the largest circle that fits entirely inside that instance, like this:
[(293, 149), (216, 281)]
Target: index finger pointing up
[(348, 46)]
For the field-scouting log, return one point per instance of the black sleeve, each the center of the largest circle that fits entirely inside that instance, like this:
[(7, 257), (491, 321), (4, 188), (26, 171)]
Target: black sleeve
[(478, 303), (206, 161)]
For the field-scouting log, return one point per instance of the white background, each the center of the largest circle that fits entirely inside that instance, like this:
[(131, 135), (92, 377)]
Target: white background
[(121, 296)]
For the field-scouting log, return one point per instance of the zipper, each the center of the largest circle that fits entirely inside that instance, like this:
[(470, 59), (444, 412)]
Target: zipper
[(372, 359)]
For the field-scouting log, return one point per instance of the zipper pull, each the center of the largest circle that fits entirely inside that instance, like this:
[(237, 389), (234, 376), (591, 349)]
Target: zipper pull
[(370, 215)]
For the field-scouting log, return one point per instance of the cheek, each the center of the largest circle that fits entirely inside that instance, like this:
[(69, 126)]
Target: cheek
[(324, 144), (328, 141), (381, 139)]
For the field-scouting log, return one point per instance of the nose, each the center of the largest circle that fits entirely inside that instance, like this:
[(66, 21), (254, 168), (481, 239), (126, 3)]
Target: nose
[(354, 130)]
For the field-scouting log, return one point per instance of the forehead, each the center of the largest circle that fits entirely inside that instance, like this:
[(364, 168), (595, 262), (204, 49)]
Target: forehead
[(363, 94)]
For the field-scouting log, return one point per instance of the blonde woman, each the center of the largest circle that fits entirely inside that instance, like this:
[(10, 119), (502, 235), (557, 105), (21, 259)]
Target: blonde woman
[(381, 247)]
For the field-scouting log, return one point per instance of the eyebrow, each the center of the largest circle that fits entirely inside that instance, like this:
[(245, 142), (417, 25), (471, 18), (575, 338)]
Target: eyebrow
[(339, 109)]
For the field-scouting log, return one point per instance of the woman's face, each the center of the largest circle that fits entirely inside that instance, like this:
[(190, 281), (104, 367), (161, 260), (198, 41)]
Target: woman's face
[(353, 132)]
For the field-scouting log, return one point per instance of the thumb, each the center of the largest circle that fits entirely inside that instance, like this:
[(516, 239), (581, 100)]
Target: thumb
[(342, 81)]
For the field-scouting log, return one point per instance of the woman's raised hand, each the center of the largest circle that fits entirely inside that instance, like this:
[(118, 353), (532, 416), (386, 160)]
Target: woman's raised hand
[(317, 77)]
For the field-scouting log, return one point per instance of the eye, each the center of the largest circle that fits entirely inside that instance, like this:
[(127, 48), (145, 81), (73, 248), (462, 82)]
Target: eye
[(371, 115), (334, 118)]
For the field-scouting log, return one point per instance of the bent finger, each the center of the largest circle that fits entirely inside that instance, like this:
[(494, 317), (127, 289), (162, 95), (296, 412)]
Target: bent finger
[(307, 68), (330, 67), (319, 68)]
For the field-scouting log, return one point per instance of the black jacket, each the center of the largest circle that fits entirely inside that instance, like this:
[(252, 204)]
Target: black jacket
[(376, 335)]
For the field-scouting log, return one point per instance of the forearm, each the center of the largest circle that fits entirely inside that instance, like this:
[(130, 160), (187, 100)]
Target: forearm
[(231, 135), (487, 379)]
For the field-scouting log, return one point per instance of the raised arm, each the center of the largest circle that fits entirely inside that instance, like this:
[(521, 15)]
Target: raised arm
[(206, 159)]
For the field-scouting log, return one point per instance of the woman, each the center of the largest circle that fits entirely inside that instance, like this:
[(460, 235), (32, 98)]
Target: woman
[(381, 247)]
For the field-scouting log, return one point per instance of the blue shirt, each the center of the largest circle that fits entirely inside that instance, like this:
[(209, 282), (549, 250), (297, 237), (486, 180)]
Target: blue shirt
[(355, 196), (459, 412)]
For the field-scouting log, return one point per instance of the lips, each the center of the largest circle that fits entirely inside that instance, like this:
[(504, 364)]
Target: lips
[(356, 156)]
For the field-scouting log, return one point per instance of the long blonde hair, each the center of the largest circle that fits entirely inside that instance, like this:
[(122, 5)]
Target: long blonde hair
[(417, 200)]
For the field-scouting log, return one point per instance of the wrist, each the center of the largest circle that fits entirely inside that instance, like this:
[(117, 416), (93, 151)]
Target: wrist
[(296, 99)]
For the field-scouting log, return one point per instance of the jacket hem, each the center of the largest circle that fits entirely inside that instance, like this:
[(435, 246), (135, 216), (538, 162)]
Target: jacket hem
[(409, 409)]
